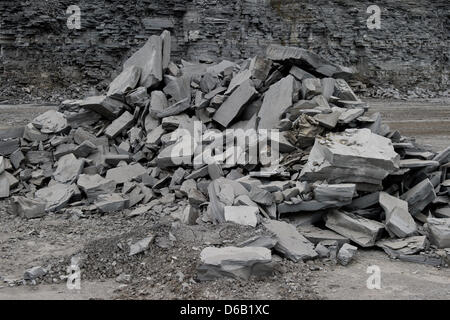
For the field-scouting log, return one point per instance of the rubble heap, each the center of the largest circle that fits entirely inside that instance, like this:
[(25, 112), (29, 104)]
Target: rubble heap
[(335, 175)]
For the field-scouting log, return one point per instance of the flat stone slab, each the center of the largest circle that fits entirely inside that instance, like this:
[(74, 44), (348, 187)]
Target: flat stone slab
[(232, 106), (106, 106), (438, 232), (125, 173), (417, 163), (407, 246), (354, 156), (68, 169), (316, 235), (290, 243), (95, 185), (124, 82), (57, 196), (149, 59), (124, 122), (234, 262), (419, 196), (360, 230), (141, 245), (108, 203), (28, 208), (51, 121), (398, 219), (276, 102), (243, 215)]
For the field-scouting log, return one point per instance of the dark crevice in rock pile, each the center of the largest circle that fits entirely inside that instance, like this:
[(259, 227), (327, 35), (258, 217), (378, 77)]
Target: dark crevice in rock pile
[(342, 177)]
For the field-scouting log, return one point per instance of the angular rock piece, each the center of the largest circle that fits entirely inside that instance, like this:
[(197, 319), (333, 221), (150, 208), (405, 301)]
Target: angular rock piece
[(354, 156), (343, 91), (34, 273), (317, 235), (4, 186), (107, 203), (124, 82), (346, 253), (9, 146), (141, 246), (125, 173), (28, 208), (17, 158), (290, 243), (261, 196), (95, 185), (417, 163), (363, 231), (106, 106), (51, 121), (439, 232), (234, 262), (57, 196), (398, 220), (177, 88), (341, 193), (276, 101), (166, 48), (243, 215), (232, 107), (124, 122), (149, 59), (68, 169), (408, 246), (419, 196)]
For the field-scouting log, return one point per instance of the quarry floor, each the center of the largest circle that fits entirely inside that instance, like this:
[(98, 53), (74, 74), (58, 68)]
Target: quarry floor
[(24, 244)]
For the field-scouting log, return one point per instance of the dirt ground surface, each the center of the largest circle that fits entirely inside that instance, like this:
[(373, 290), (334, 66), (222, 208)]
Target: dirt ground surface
[(168, 269)]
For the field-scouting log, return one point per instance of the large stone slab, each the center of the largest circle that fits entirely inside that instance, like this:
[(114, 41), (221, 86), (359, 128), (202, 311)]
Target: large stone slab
[(108, 203), (232, 107), (398, 219), (106, 106), (276, 102), (360, 230), (243, 215), (56, 196), (125, 173), (407, 246), (28, 208), (234, 262), (95, 185), (68, 169), (419, 196), (290, 243), (149, 59), (124, 122), (439, 232), (51, 121), (124, 82), (354, 156)]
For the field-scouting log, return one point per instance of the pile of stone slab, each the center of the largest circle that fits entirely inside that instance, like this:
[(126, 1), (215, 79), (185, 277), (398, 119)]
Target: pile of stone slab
[(336, 176)]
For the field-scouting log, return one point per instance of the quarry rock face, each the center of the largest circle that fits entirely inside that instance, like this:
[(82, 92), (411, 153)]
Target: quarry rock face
[(201, 29)]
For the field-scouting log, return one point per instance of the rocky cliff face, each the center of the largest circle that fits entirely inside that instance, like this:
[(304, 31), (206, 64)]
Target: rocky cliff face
[(39, 54)]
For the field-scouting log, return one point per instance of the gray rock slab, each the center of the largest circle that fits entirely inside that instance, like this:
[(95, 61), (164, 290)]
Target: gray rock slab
[(56, 196), (108, 203), (119, 125), (28, 208), (407, 246), (238, 79), (106, 106), (438, 231), (150, 60), (261, 196), (124, 82), (419, 196), (360, 230), (276, 102), (398, 219), (317, 235), (243, 215), (4, 186), (301, 75), (354, 156), (125, 173), (141, 246), (50, 121), (95, 185), (166, 48), (9, 146), (259, 241), (80, 136), (234, 262), (335, 192), (233, 105), (68, 168), (178, 88), (418, 163), (290, 242)]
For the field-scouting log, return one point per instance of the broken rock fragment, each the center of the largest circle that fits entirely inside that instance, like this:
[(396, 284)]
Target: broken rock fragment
[(124, 82), (50, 122), (95, 185), (68, 169), (243, 215), (233, 262), (346, 254), (28, 208), (398, 219), (360, 230), (290, 243), (439, 232)]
